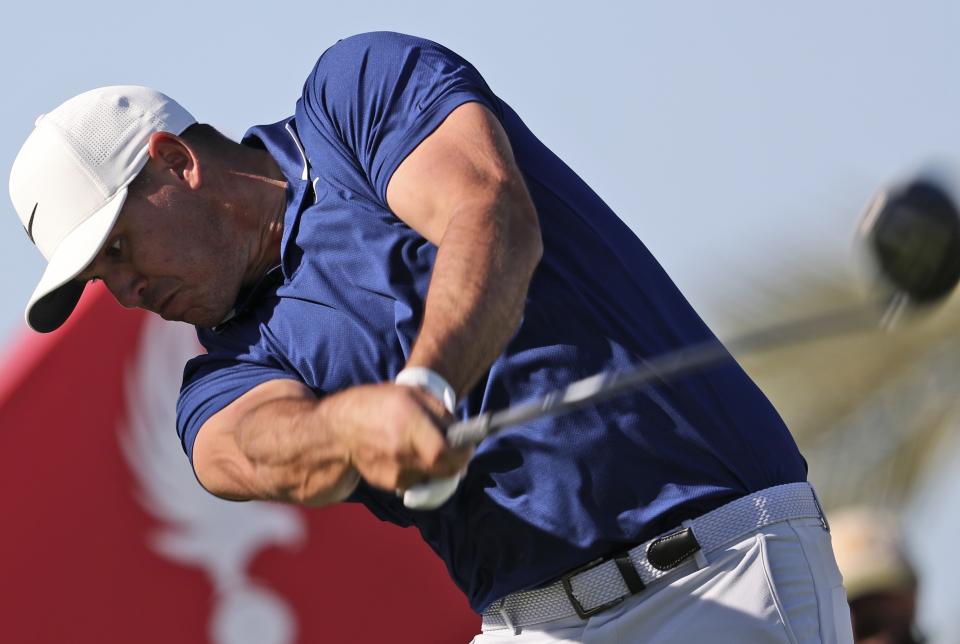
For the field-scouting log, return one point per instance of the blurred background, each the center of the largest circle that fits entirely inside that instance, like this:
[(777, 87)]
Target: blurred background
[(739, 140)]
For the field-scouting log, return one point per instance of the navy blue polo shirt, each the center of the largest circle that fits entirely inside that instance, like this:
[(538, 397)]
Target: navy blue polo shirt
[(345, 304)]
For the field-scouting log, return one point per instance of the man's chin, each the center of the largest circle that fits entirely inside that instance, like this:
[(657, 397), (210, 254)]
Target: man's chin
[(196, 318)]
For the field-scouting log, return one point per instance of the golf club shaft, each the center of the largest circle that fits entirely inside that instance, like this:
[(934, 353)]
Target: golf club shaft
[(604, 386)]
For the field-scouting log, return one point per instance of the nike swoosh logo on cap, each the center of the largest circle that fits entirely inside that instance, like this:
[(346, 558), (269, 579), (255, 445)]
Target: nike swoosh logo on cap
[(29, 227)]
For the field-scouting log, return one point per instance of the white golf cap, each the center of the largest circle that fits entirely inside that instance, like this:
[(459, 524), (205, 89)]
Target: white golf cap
[(70, 180)]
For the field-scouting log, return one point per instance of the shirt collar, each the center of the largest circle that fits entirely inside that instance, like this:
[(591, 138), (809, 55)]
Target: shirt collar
[(250, 295), (282, 141)]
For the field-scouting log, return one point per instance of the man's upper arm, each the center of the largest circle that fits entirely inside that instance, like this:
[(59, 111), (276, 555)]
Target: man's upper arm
[(466, 162)]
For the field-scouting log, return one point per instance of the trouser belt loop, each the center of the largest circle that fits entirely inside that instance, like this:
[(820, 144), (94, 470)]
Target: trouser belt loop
[(699, 556), (505, 614), (630, 575), (823, 515)]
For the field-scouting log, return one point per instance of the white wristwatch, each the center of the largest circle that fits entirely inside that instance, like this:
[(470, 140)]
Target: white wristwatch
[(431, 382), (431, 494)]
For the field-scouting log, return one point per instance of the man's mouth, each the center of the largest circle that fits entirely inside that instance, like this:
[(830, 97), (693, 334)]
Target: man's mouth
[(164, 307)]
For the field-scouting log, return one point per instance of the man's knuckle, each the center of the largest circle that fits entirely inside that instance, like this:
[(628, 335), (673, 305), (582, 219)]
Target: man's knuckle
[(433, 459)]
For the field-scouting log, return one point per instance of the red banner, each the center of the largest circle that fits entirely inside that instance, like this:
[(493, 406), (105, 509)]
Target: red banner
[(107, 537)]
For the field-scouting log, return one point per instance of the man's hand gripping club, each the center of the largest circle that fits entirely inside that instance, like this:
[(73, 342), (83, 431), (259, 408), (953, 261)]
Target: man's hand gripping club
[(393, 435)]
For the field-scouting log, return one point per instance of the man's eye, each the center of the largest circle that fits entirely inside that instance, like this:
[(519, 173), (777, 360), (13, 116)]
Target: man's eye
[(113, 250)]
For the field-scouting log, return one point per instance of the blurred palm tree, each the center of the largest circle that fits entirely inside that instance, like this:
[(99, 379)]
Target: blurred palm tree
[(868, 409)]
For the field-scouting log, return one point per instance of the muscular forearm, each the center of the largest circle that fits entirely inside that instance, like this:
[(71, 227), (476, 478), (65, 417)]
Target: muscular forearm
[(290, 452), (279, 442), (296, 453), (479, 285)]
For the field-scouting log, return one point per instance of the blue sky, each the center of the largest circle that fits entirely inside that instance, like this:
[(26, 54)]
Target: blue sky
[(736, 139)]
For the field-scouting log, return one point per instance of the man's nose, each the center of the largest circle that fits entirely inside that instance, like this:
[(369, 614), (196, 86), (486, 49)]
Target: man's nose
[(127, 286)]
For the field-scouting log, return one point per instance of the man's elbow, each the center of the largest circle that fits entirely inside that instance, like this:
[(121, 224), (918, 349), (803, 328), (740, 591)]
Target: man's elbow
[(509, 197), (222, 478), (534, 243), (310, 493), (527, 237)]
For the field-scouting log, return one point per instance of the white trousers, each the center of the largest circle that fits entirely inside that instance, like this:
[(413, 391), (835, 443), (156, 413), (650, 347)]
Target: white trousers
[(779, 584)]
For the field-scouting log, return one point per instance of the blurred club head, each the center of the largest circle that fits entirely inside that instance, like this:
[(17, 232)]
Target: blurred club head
[(912, 236)]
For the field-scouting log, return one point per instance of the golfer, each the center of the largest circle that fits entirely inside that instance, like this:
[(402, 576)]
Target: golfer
[(402, 252)]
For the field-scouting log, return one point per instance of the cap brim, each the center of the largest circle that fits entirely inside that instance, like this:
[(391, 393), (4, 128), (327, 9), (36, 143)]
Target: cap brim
[(57, 293)]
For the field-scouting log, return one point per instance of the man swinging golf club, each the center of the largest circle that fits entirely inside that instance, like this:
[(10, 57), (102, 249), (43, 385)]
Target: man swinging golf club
[(401, 252)]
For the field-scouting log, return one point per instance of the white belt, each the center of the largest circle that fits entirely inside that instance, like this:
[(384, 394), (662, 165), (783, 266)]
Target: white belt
[(608, 581)]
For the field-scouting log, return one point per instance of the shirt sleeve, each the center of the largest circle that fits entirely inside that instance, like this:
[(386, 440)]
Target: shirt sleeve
[(210, 384), (381, 94)]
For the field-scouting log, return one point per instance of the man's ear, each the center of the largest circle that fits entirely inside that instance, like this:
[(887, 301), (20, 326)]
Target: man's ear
[(174, 155)]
